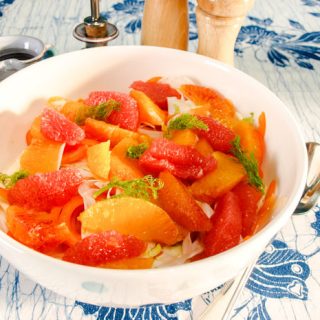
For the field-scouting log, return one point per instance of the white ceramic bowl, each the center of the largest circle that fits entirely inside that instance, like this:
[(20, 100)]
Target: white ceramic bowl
[(74, 75)]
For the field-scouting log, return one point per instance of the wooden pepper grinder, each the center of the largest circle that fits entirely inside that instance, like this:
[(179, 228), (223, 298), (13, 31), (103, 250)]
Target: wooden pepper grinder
[(219, 22), (165, 23)]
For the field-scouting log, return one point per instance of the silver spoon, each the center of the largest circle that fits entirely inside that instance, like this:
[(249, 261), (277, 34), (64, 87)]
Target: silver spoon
[(224, 303), (312, 189)]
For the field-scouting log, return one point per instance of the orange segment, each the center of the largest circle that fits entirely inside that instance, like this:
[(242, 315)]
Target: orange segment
[(211, 101), (217, 182), (204, 147), (149, 112), (184, 137), (265, 212), (74, 109), (4, 194), (98, 157), (28, 137), (178, 202), (19, 220), (103, 131), (131, 216), (35, 131), (207, 111), (251, 139), (75, 155), (133, 263), (154, 79), (42, 155), (121, 166), (201, 111), (69, 214), (262, 124), (37, 229)]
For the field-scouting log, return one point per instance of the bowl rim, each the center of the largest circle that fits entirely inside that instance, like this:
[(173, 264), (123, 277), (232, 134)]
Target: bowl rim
[(267, 232), (39, 50)]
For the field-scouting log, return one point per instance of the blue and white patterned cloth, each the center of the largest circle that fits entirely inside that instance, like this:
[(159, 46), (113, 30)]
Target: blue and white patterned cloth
[(279, 44)]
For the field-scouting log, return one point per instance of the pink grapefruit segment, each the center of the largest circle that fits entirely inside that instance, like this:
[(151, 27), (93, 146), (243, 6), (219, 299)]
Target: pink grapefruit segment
[(128, 115), (158, 92), (42, 191), (183, 161), (55, 126), (104, 247)]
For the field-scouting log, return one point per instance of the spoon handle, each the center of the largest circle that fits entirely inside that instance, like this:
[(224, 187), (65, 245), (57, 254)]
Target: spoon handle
[(221, 308), (312, 189)]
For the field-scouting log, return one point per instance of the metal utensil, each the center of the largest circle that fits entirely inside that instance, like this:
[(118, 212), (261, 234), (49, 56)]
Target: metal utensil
[(95, 31), (312, 190), (94, 25), (223, 304)]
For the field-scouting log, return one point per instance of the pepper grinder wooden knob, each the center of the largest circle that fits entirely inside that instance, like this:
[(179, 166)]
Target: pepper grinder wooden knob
[(219, 23), (165, 23)]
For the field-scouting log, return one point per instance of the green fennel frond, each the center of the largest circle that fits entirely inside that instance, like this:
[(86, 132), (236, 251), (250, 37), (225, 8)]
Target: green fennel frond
[(143, 188), (9, 181), (135, 152), (250, 164)]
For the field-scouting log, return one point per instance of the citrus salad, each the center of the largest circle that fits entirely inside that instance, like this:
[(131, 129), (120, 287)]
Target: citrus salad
[(164, 174)]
